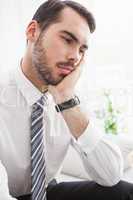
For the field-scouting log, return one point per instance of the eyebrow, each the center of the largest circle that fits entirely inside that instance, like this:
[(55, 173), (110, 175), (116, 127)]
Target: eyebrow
[(74, 38)]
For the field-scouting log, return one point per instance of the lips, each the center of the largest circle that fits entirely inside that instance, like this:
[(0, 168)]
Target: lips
[(65, 69)]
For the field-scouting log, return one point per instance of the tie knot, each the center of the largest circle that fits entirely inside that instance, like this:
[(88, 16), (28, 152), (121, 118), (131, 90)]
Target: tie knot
[(41, 101), (39, 104)]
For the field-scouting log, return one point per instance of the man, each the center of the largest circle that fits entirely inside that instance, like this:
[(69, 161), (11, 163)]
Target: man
[(41, 115)]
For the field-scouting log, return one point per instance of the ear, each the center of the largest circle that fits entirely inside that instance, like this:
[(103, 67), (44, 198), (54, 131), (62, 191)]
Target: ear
[(33, 31)]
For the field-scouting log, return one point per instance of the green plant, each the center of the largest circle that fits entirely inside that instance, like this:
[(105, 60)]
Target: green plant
[(109, 114)]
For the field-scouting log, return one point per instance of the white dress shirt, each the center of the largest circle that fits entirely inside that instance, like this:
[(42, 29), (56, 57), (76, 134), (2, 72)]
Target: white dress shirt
[(102, 160), (4, 190)]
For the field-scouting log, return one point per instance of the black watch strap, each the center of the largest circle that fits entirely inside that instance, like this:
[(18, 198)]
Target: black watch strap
[(67, 104)]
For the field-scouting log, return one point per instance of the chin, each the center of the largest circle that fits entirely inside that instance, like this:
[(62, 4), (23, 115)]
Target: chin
[(56, 81)]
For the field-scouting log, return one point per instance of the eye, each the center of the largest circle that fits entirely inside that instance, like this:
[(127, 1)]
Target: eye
[(82, 51), (68, 40)]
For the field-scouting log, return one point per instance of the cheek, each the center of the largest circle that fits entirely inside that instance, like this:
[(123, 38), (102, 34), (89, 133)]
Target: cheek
[(56, 50)]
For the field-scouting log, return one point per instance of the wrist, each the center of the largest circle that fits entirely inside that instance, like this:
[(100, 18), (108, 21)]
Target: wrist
[(67, 104)]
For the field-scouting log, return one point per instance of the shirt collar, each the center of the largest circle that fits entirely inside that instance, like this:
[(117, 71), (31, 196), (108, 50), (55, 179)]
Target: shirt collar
[(28, 90)]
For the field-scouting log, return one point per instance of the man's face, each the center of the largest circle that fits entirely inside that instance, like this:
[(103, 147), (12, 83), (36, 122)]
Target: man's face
[(61, 47)]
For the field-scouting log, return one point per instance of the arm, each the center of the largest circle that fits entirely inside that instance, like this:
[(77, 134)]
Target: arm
[(76, 120), (102, 159)]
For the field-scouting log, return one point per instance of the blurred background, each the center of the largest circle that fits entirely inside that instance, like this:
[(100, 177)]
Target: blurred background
[(107, 81)]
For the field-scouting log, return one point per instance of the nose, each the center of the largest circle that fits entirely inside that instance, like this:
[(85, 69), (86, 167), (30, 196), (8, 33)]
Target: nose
[(74, 56)]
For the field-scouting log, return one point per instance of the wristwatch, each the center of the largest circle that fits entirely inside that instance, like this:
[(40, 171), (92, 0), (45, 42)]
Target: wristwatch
[(68, 104)]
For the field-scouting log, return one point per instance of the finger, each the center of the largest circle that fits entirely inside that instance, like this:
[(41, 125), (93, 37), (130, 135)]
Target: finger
[(81, 62), (72, 78)]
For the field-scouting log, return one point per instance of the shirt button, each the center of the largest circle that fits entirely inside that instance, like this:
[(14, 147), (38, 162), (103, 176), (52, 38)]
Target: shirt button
[(85, 154)]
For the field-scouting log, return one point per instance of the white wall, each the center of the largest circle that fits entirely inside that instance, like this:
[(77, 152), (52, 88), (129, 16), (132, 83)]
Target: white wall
[(113, 40)]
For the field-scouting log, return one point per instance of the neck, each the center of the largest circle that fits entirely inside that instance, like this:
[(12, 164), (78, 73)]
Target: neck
[(31, 74)]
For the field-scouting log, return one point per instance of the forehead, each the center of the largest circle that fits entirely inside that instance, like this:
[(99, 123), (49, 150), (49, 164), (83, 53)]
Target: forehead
[(78, 25), (74, 23)]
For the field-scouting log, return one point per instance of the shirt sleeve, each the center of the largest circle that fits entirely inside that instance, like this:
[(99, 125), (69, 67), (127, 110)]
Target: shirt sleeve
[(102, 159), (4, 191)]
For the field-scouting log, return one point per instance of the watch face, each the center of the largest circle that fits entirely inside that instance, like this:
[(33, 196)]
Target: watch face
[(68, 104), (73, 100)]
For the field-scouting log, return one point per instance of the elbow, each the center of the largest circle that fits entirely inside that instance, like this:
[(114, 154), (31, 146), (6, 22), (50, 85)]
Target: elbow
[(114, 181), (115, 177), (110, 182), (115, 171)]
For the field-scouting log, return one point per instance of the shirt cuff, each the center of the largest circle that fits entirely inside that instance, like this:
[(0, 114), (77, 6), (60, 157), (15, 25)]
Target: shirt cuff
[(89, 139)]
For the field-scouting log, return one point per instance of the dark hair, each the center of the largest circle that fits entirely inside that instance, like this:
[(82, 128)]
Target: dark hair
[(49, 13)]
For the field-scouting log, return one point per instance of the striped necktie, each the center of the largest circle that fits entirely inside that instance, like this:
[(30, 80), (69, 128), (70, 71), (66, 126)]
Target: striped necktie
[(38, 165)]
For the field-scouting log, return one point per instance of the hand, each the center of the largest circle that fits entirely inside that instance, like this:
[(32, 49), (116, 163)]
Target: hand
[(65, 89)]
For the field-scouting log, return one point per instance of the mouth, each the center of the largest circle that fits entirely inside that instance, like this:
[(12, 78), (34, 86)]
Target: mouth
[(65, 70)]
